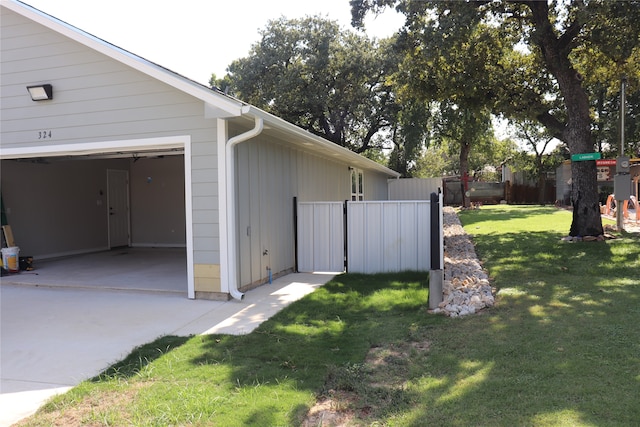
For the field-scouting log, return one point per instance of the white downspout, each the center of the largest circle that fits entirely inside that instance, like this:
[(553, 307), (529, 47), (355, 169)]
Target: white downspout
[(231, 204)]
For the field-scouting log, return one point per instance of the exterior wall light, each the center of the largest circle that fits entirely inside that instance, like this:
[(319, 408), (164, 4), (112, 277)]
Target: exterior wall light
[(41, 92)]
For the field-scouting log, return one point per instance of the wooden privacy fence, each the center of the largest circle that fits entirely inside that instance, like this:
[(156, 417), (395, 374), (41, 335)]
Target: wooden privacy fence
[(368, 237)]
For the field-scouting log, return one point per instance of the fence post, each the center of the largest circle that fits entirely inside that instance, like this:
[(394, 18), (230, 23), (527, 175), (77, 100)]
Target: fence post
[(346, 235), (295, 233), (436, 274)]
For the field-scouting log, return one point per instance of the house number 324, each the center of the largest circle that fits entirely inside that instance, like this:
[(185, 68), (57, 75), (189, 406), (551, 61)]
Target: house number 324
[(44, 134)]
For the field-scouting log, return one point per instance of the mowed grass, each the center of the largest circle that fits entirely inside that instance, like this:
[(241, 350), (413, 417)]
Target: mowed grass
[(270, 377), (560, 348)]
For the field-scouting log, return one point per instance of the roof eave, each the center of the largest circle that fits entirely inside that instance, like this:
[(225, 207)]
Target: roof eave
[(339, 152), (216, 104)]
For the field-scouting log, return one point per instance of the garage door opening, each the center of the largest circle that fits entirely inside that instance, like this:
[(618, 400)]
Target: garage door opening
[(61, 207), (123, 269)]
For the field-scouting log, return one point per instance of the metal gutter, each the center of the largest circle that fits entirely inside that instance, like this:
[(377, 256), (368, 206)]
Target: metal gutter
[(231, 204)]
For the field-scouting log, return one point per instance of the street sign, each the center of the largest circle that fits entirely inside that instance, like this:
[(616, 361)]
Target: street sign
[(606, 162), (585, 156)]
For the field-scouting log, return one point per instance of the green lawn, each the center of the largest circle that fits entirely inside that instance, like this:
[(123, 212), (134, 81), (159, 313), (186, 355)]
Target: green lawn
[(560, 348)]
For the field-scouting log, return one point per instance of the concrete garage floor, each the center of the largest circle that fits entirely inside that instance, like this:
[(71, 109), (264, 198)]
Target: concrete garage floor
[(73, 325), (132, 269)]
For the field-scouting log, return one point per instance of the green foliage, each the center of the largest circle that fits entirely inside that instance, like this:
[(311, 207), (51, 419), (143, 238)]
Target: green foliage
[(551, 62), (436, 161), (334, 83), (610, 53), (442, 158), (320, 77), (410, 134), (540, 157)]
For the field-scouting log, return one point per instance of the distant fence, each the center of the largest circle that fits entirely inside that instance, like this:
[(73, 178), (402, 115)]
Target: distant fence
[(523, 194), (485, 192)]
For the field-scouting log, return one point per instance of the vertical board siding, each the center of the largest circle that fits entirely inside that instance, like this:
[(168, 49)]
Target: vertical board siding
[(388, 236), (413, 188), (376, 186), (269, 175), (321, 236), (382, 236)]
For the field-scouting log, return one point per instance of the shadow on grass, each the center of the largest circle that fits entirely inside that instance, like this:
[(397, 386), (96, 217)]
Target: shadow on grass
[(329, 331), (561, 348), (140, 357)]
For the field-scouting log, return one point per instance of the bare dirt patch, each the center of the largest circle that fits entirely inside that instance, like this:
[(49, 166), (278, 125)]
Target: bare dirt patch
[(385, 368), (332, 411), (87, 412)]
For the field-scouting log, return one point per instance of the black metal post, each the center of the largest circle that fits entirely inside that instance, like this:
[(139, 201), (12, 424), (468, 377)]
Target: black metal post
[(295, 232), (346, 242), (436, 274), (435, 232)]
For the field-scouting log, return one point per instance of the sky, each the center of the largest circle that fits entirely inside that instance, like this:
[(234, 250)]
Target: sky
[(198, 37)]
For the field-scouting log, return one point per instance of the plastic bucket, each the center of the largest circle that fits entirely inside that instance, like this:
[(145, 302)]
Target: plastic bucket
[(10, 259)]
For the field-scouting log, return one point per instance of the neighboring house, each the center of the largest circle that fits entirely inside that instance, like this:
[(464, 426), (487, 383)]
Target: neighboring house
[(606, 174), (128, 153)]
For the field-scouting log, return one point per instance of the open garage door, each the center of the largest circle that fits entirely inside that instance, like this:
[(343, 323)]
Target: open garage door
[(61, 205)]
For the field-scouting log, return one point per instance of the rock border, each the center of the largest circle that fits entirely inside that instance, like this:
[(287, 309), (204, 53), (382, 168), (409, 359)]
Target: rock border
[(466, 288)]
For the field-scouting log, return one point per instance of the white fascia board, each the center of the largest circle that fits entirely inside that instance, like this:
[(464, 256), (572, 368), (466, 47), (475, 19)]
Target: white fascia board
[(307, 138), (216, 105), (125, 146)]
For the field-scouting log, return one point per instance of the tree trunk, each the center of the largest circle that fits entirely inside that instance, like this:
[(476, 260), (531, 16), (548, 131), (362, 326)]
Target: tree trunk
[(577, 132), (465, 148), (584, 198), (542, 183), (584, 175)]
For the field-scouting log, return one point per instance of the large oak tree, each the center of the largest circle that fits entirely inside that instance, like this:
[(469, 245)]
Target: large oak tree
[(528, 66), (328, 80)]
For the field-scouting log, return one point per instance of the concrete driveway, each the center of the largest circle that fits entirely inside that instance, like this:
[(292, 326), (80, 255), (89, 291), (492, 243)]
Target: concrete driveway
[(53, 338)]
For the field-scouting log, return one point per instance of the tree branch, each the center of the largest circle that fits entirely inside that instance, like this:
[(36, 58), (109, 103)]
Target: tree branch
[(565, 42), (555, 126)]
